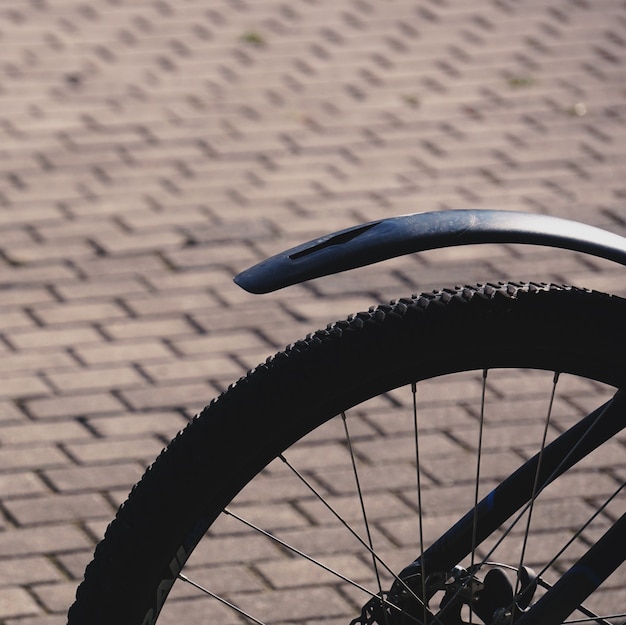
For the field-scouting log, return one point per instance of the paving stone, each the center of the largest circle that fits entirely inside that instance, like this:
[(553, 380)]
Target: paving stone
[(170, 303), (405, 532), (57, 508), (325, 541), (134, 264), (19, 295), (15, 319), (120, 244), (299, 603), (73, 405), (23, 386), (221, 579), (33, 457), (235, 549), (40, 360), (129, 448), (28, 570), (96, 378), (77, 230), (289, 574), (164, 326), (126, 351), (198, 368), (159, 422), (197, 608), (55, 597), (193, 279), (12, 484), (219, 255), (17, 602), (76, 479), (42, 540), (97, 528), (23, 254), (227, 342), (385, 506), (49, 619), (187, 394), (78, 313), (10, 413), (279, 517), (102, 289), (75, 562), (341, 481), (57, 337), (38, 433)]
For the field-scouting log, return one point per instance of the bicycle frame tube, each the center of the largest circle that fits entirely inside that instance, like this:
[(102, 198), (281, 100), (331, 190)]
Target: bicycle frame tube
[(379, 240), (581, 579), (510, 496)]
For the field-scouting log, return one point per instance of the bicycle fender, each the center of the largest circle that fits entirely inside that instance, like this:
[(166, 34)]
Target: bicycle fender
[(395, 236)]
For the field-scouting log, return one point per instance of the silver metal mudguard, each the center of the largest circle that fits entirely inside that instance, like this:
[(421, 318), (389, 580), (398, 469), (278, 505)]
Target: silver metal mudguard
[(387, 238)]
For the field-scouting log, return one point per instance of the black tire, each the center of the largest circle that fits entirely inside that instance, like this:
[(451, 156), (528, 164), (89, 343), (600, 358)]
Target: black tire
[(550, 328)]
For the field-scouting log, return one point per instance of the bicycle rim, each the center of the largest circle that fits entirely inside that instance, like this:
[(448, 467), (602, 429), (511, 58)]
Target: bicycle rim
[(350, 511)]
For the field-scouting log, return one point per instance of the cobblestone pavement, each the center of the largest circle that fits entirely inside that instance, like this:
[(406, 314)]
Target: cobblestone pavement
[(151, 149)]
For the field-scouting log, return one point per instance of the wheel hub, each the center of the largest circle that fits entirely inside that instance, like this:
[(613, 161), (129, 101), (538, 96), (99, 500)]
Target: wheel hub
[(492, 599)]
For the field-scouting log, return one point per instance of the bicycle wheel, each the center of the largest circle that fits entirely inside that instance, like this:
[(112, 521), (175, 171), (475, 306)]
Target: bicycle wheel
[(401, 549)]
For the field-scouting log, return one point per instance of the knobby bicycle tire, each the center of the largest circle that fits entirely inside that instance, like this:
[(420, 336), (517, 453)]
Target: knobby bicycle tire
[(560, 329)]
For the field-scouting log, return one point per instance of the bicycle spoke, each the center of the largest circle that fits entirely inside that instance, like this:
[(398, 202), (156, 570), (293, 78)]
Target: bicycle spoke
[(362, 502), (595, 619), (223, 601), (420, 506), (591, 616), (300, 553), (317, 563), (477, 480), (541, 582), (534, 494), (348, 526), (478, 461)]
